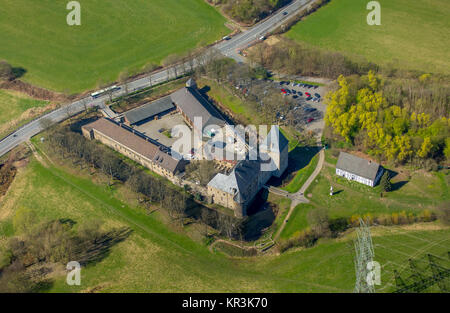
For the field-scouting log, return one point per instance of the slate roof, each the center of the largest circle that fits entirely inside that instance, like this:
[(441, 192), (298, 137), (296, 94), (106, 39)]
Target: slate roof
[(275, 140), (239, 180), (137, 144), (358, 166), (193, 104), (149, 110)]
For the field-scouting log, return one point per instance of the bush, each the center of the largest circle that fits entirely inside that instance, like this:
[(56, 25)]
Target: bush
[(338, 225), (385, 181)]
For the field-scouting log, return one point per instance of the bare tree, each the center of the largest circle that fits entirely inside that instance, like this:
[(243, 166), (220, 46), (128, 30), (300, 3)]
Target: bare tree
[(123, 78)]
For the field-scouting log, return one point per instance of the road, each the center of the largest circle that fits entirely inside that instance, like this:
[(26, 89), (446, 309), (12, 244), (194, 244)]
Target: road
[(228, 48)]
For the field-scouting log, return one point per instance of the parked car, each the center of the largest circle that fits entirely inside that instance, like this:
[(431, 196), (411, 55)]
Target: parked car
[(310, 120), (308, 99), (317, 95), (285, 13), (307, 94), (283, 91), (300, 93)]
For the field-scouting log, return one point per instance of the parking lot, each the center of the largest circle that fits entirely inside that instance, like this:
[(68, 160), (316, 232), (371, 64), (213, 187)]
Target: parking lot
[(311, 93), (309, 99)]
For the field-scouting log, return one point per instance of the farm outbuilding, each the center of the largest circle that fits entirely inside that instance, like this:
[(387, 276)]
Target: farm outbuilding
[(358, 169), (149, 111)]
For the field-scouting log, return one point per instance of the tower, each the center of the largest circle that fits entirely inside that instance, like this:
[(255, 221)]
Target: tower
[(363, 256), (276, 146)]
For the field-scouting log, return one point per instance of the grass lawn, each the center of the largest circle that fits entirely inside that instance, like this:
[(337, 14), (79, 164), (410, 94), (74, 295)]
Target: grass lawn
[(411, 34), (157, 259), (225, 98), (12, 105), (113, 36), (302, 175), (422, 191), (297, 221)]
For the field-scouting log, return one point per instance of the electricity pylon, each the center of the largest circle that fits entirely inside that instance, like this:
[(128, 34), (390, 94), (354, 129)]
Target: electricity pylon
[(363, 256)]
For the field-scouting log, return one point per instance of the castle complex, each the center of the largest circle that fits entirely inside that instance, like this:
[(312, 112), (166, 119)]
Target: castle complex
[(244, 177)]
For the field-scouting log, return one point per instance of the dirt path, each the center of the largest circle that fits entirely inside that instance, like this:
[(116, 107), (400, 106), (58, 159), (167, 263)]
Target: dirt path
[(299, 197)]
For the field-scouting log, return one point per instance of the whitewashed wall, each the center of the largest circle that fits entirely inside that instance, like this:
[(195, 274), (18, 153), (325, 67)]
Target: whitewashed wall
[(354, 177)]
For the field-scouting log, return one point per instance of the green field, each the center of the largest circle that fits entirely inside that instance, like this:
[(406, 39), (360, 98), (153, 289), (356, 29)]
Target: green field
[(13, 105), (157, 259), (423, 191), (412, 34), (113, 36), (302, 175)]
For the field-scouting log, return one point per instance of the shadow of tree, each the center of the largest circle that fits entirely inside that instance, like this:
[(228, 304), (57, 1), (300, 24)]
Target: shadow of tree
[(94, 250), (18, 72), (204, 90), (398, 185), (76, 126)]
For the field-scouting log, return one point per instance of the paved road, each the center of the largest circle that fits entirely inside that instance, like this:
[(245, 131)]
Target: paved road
[(228, 48)]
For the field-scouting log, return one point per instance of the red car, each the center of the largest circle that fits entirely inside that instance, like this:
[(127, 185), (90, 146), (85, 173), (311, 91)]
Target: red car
[(307, 94), (283, 91), (310, 120)]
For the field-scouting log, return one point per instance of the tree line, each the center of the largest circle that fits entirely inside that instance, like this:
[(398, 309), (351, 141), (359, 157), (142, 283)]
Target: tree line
[(253, 88), (154, 190), (71, 144), (249, 11), (29, 258), (322, 226), (391, 121), (294, 58)]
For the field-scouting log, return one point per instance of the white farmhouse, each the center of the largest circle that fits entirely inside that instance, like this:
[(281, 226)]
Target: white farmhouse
[(361, 170)]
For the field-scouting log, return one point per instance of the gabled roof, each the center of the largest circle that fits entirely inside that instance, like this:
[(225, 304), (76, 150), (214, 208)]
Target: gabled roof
[(149, 109), (193, 104), (275, 141), (358, 166), (115, 132), (135, 143), (167, 161)]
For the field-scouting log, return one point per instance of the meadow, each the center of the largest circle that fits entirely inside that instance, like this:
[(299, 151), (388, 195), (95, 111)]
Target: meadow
[(159, 258), (113, 36), (421, 191), (13, 105), (412, 34)]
